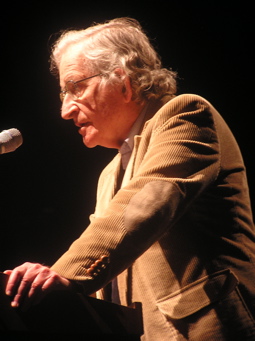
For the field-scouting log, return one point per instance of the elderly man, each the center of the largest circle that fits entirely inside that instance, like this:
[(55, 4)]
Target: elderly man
[(172, 227)]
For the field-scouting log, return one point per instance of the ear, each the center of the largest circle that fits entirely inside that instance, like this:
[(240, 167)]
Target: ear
[(126, 86)]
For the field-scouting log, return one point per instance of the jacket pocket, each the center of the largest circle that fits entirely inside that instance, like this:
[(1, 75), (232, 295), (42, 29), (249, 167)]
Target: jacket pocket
[(198, 295)]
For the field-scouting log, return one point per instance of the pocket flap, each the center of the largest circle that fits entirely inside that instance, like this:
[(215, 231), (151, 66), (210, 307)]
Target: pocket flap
[(198, 294)]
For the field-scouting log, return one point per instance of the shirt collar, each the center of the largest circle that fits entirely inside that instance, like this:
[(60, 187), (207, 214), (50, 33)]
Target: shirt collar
[(128, 145)]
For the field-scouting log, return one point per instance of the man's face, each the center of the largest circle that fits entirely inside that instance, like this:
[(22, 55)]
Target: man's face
[(103, 113)]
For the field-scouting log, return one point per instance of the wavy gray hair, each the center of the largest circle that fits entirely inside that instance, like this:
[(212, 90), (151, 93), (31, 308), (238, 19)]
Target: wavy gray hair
[(119, 43)]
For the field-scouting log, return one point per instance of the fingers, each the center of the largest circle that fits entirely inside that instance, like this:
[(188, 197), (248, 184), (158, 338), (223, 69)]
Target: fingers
[(20, 281), (56, 281), (29, 283), (45, 282), (13, 282)]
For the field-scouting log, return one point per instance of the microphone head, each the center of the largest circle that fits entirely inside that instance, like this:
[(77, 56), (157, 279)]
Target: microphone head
[(10, 140)]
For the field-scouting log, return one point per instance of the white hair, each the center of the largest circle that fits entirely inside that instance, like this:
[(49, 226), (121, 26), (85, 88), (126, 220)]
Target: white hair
[(119, 43)]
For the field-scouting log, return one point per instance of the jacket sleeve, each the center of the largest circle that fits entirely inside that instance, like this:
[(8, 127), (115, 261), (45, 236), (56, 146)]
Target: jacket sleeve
[(178, 157)]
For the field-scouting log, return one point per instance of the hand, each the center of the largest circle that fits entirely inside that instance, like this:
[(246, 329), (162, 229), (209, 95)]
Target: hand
[(29, 282)]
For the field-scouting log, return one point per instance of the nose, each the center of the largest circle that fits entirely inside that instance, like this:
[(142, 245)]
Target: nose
[(69, 108)]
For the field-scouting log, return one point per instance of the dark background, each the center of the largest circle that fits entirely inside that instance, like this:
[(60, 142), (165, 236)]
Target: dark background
[(48, 184)]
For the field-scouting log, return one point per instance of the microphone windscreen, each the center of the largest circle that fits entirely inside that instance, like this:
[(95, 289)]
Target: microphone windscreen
[(10, 140)]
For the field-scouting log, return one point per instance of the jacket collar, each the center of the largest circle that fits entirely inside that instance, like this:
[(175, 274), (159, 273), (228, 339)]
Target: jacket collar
[(153, 106)]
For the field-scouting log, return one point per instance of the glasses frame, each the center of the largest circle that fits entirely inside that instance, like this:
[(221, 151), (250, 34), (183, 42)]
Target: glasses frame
[(65, 91)]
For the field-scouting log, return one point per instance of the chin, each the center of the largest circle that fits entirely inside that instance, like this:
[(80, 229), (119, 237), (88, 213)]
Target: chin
[(88, 143)]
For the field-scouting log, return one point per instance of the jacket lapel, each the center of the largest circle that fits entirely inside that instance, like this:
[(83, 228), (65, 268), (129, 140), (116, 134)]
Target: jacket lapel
[(108, 185), (113, 183), (130, 167)]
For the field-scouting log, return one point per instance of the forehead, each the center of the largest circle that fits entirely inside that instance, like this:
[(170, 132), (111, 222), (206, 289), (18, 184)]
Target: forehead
[(71, 64)]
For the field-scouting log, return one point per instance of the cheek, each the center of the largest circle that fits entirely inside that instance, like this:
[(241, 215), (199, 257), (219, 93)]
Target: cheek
[(107, 99)]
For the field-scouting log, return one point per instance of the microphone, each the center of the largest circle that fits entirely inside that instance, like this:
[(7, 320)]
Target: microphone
[(10, 140)]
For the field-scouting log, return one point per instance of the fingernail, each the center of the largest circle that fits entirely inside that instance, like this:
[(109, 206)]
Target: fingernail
[(8, 293), (14, 304)]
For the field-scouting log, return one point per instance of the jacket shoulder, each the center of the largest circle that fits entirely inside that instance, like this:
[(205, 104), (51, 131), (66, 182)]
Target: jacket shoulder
[(185, 103)]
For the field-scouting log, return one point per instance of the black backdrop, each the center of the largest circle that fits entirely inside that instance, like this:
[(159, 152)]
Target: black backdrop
[(48, 185)]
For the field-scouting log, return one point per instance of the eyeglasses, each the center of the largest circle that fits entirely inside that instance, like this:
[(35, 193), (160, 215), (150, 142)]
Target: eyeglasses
[(73, 88)]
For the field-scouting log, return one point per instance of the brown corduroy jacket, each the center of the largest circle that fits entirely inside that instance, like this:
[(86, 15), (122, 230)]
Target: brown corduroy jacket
[(179, 232)]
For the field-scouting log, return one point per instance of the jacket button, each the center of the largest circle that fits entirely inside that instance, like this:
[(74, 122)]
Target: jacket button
[(90, 271), (104, 259), (99, 264)]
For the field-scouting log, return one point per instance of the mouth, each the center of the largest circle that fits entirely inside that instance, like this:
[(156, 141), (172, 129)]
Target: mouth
[(82, 127)]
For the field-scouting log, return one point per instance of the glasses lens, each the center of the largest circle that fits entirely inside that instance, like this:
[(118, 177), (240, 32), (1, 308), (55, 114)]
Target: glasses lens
[(71, 88), (62, 95)]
